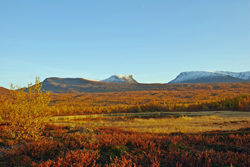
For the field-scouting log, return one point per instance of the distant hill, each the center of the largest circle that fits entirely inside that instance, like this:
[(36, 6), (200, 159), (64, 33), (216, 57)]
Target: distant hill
[(4, 91), (77, 85), (211, 77)]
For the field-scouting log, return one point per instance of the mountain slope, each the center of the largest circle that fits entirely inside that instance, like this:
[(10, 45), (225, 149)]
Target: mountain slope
[(79, 85), (4, 91), (211, 77), (65, 85), (241, 75), (120, 79)]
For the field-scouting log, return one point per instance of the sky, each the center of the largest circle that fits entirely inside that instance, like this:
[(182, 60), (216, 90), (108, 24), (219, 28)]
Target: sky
[(94, 39)]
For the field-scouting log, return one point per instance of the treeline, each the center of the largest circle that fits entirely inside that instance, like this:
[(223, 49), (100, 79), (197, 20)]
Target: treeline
[(188, 97), (183, 97), (240, 103)]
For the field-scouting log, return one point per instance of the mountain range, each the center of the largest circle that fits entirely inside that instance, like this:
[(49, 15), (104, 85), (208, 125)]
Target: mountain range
[(117, 83), (128, 83)]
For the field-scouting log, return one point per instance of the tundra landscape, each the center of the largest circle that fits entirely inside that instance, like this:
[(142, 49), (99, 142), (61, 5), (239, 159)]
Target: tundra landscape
[(135, 83), (205, 124)]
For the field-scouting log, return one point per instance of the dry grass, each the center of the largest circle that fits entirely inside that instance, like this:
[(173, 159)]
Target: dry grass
[(205, 121)]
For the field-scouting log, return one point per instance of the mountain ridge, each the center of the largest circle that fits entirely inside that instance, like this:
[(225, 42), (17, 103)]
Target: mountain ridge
[(76, 85), (211, 77), (118, 83)]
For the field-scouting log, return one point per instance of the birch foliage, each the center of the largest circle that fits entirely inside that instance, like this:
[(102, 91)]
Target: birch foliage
[(27, 112)]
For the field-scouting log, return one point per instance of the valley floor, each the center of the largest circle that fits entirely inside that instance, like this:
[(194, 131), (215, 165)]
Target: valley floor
[(214, 138), (170, 122)]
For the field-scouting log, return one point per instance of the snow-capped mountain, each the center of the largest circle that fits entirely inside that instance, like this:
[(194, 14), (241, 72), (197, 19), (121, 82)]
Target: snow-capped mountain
[(241, 75), (120, 79), (211, 77)]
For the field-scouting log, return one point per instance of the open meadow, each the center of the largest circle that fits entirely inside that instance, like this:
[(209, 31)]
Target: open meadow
[(185, 122)]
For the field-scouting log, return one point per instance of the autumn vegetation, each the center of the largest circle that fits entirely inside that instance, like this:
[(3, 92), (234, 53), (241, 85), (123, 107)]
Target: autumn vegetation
[(28, 139), (179, 97), (25, 113), (115, 147)]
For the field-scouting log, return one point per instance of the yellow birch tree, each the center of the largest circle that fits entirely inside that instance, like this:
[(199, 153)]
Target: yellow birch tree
[(26, 112)]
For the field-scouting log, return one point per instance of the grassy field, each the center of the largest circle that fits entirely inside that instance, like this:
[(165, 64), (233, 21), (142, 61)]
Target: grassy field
[(185, 122)]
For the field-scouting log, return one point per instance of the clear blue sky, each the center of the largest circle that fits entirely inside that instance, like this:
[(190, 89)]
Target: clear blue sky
[(152, 40)]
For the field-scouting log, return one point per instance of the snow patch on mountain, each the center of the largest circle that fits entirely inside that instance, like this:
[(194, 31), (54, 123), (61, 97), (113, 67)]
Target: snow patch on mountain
[(241, 75), (120, 79), (95, 80), (192, 76)]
